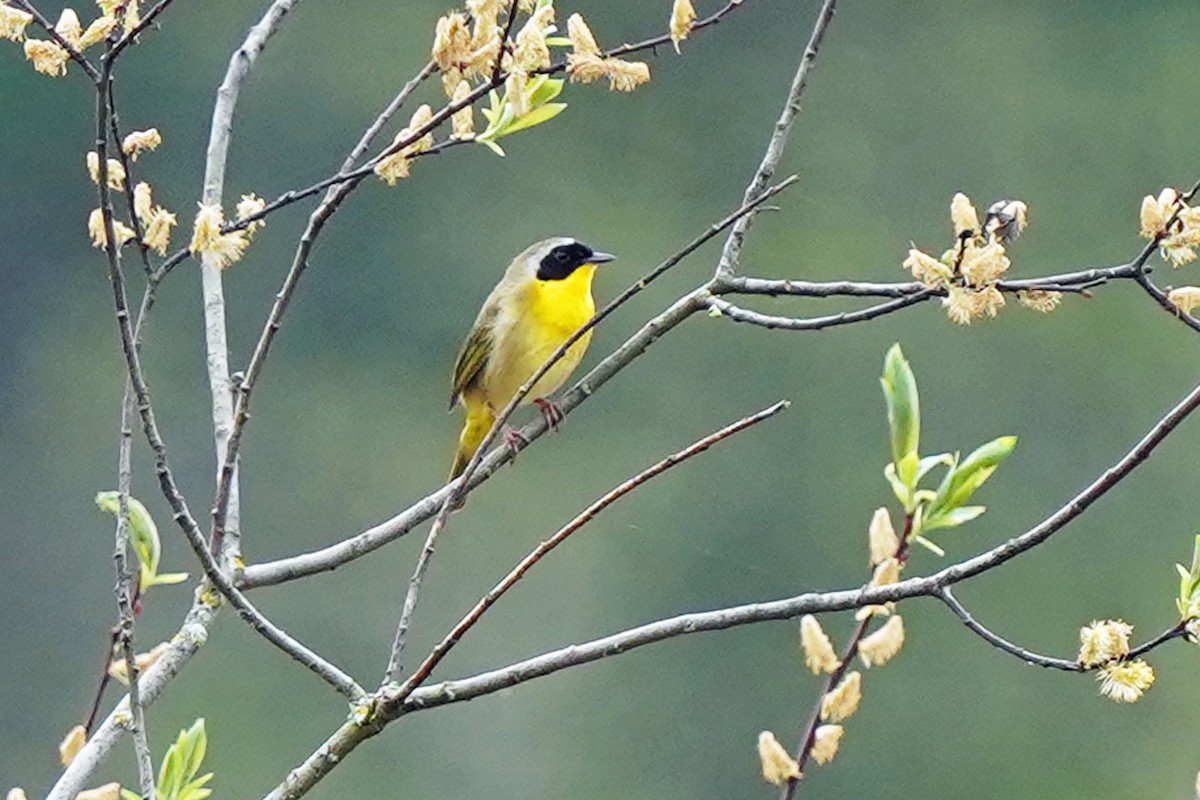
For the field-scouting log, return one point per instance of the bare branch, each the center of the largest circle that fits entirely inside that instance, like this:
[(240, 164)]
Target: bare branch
[(738, 314), (125, 602), (1067, 281), (183, 646), (224, 506), (1029, 657), (731, 253), (216, 345), (587, 515)]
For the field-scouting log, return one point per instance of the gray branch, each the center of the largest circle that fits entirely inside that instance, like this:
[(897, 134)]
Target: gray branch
[(216, 344), (732, 251)]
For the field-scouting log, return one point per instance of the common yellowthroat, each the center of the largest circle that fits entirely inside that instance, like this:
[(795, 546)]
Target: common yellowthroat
[(544, 296)]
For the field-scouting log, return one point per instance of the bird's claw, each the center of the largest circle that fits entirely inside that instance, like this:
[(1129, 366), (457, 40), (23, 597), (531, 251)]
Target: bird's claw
[(551, 413)]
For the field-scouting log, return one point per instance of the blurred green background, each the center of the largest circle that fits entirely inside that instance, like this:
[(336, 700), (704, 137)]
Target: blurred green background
[(1077, 112)]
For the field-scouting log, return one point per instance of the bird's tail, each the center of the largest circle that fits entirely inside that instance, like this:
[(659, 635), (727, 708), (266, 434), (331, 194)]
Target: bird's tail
[(478, 422)]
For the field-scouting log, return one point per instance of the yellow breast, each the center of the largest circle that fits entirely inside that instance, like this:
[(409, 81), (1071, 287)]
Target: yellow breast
[(544, 315)]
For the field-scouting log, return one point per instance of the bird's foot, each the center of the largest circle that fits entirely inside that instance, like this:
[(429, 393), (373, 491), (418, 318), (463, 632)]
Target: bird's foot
[(551, 413), (514, 439)]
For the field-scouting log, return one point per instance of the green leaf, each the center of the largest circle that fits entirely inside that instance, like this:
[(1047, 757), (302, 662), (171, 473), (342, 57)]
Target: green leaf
[(488, 143), (906, 468), (169, 777), (196, 789), (176, 777), (196, 743), (930, 546), (543, 89), (143, 533), (954, 517), (535, 117), (962, 481), (558, 41), (929, 462), (902, 492), (903, 407), (1189, 583), (128, 795), (165, 579)]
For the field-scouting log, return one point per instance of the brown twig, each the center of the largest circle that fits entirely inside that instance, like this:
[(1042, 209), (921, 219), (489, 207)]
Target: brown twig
[(587, 515), (145, 23), (809, 735), (45, 24)]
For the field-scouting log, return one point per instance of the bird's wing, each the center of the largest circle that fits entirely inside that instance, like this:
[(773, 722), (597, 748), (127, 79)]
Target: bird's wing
[(474, 354)]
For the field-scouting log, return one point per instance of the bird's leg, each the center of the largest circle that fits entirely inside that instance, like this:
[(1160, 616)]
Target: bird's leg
[(551, 413), (514, 439)]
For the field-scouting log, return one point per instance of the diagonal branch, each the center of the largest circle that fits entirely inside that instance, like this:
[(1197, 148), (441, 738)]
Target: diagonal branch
[(389, 702), (731, 253), (146, 22), (45, 24), (458, 691), (502, 418), (462, 485), (587, 515)]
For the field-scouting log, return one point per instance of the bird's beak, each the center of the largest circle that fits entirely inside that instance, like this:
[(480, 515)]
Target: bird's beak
[(601, 258)]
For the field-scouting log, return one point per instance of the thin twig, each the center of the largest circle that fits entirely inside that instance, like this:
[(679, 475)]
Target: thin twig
[(45, 24), (731, 253), (146, 22), (125, 603), (124, 589), (587, 515), (127, 165), (1029, 657), (412, 594), (502, 47), (364, 142), (728, 310), (1068, 281), (808, 737)]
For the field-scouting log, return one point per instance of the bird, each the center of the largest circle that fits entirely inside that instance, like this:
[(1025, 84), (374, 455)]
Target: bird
[(544, 296)]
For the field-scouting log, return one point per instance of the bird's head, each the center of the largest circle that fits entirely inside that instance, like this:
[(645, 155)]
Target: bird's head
[(556, 259)]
